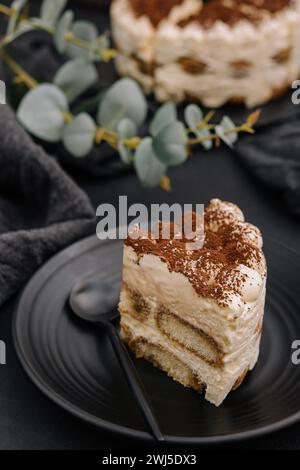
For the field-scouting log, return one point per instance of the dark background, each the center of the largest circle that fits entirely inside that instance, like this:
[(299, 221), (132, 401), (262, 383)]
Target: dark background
[(28, 420)]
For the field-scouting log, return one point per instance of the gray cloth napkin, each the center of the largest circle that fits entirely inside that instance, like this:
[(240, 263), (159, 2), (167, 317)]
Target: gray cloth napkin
[(41, 208), (273, 156)]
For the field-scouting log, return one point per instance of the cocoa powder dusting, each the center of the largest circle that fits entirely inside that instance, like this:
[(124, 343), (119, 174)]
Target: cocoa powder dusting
[(213, 270), (156, 10), (232, 11), (228, 11)]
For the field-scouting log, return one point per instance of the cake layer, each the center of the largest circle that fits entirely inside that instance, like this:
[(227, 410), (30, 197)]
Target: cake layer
[(182, 364), (188, 336), (199, 337), (161, 357), (197, 52)]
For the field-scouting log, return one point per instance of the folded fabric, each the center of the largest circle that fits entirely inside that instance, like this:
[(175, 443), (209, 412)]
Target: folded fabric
[(41, 208), (273, 156)]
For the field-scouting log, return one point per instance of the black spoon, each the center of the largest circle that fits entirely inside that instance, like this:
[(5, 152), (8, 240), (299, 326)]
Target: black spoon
[(92, 300)]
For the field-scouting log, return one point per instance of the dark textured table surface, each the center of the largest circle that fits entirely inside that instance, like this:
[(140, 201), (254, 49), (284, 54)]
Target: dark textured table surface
[(28, 420)]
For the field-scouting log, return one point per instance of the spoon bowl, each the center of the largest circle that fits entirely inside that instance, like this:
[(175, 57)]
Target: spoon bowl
[(95, 300)]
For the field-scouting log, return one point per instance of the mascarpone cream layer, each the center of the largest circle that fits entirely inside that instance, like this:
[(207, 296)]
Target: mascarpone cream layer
[(219, 381), (230, 326)]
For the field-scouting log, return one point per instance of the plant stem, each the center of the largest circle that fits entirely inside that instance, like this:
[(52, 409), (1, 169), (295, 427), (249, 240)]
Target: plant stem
[(207, 118), (6, 10), (214, 136), (105, 54), (22, 75), (132, 143), (199, 140)]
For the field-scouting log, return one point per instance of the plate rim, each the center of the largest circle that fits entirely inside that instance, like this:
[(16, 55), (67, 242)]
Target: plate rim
[(49, 267)]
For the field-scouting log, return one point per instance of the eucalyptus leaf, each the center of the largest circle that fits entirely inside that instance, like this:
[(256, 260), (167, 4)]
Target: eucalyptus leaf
[(78, 135), (207, 144), (17, 7), (38, 23), (51, 10), (149, 169), (170, 144), (100, 44), (223, 129), (102, 41), (42, 112), (22, 28), (126, 130), (64, 24), (75, 77), (85, 31), (193, 115), (124, 99), (163, 117)]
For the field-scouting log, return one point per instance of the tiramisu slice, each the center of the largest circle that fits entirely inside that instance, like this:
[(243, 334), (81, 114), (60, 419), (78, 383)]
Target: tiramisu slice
[(213, 51), (197, 314)]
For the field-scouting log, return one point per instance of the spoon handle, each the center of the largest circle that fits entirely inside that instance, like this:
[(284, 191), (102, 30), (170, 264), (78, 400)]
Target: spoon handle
[(134, 381)]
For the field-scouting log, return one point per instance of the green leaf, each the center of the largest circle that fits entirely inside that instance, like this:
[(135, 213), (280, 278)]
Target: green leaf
[(17, 7), (225, 126), (124, 99), (149, 169), (170, 144), (126, 130), (38, 23), (85, 31), (193, 115), (75, 77), (42, 112), (207, 144), (22, 28), (163, 117), (64, 24), (79, 134), (101, 43), (51, 10)]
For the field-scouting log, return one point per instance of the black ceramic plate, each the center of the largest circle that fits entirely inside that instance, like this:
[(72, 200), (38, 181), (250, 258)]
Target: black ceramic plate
[(74, 365)]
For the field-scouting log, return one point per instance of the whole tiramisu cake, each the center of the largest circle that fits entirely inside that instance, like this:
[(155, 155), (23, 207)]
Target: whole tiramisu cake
[(212, 51), (197, 314)]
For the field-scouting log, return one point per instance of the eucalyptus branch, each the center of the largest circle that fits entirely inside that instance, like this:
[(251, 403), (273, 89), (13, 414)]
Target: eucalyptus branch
[(105, 54), (6, 10), (121, 110), (20, 73), (215, 136)]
